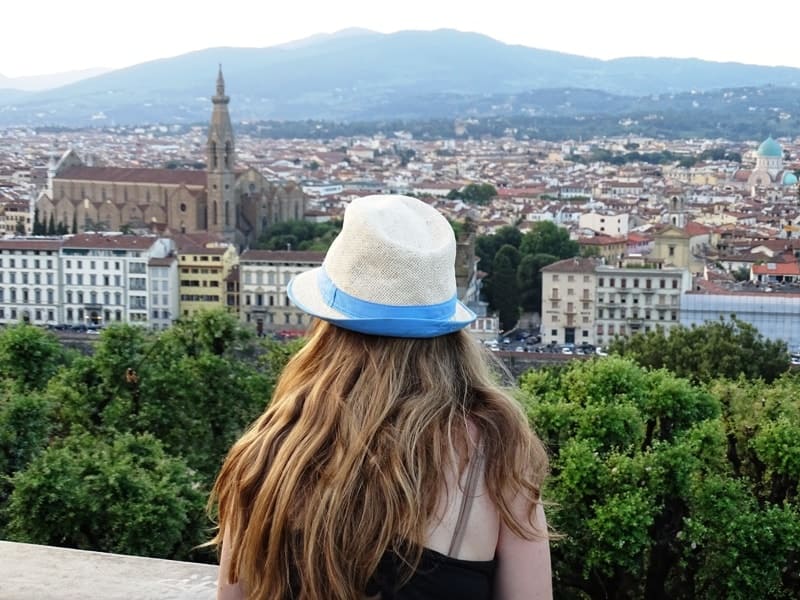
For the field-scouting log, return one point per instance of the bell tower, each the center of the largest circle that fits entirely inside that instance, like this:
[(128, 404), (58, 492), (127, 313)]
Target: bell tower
[(222, 210)]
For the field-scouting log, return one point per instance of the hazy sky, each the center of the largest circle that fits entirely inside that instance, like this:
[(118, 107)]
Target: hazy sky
[(51, 36)]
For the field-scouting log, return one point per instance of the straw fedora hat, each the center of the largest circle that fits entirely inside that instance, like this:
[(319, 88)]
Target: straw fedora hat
[(391, 271)]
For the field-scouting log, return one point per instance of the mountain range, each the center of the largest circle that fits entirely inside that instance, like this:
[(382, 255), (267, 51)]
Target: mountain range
[(357, 75)]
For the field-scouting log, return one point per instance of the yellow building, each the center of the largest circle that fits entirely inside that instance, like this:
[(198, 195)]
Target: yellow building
[(15, 219), (205, 263)]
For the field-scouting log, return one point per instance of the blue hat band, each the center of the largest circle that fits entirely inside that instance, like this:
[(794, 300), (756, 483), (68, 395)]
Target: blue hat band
[(364, 309)]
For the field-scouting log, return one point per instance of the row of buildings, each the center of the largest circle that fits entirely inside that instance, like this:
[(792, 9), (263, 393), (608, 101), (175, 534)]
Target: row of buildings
[(100, 279), (97, 279)]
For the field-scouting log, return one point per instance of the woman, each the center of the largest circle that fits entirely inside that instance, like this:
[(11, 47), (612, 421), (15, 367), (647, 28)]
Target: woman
[(388, 464)]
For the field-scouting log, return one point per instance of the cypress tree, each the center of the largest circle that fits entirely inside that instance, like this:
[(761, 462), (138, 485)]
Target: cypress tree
[(75, 222), (51, 225)]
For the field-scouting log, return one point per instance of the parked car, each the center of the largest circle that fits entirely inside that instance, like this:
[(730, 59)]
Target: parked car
[(600, 351)]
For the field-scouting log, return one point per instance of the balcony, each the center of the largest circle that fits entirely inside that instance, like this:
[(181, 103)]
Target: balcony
[(31, 572)]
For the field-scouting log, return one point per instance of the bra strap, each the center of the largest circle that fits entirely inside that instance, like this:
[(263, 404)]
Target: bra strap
[(466, 504)]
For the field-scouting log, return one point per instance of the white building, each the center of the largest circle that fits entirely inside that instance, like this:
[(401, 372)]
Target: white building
[(776, 315), (164, 288), (606, 223), (584, 301), (263, 278), (29, 281), (633, 299), (105, 277)]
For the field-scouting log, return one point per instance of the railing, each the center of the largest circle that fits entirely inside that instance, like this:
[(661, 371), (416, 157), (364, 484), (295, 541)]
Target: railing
[(31, 572)]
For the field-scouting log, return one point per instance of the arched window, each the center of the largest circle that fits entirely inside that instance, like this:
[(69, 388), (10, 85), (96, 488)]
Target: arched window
[(215, 211), (227, 155), (213, 155), (227, 215)]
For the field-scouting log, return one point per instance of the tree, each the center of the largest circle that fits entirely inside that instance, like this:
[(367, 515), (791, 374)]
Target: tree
[(648, 497), (74, 222), (724, 348), (38, 229), (29, 356), (545, 237), (474, 193), (122, 494), (529, 280), (51, 225), (26, 423), (505, 295)]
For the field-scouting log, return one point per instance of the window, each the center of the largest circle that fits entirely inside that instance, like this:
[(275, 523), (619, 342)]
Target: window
[(674, 284), (555, 278), (671, 250), (635, 283), (611, 282), (662, 284), (554, 332), (602, 282), (570, 278)]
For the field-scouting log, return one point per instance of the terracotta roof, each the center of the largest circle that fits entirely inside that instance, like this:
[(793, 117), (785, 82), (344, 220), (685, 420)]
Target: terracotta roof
[(191, 242), (128, 175), (282, 256), (601, 240), (571, 265), (28, 244), (695, 228), (638, 238), (161, 262), (777, 268), (120, 242)]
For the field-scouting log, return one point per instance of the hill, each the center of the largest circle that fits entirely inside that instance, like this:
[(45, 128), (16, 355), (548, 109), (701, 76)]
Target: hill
[(363, 75)]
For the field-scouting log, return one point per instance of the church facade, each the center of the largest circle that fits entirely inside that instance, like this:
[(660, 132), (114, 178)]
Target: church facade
[(238, 204)]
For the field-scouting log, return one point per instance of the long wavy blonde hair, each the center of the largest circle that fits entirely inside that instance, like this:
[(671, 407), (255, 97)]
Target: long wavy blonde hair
[(346, 462)]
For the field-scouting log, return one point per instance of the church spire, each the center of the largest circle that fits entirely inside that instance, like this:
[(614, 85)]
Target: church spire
[(220, 82), (220, 97)]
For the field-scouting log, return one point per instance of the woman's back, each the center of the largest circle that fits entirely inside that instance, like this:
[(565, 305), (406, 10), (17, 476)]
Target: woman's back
[(353, 479)]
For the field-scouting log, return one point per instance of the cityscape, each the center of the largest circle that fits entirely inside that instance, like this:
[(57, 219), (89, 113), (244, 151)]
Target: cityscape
[(636, 291), (714, 233)]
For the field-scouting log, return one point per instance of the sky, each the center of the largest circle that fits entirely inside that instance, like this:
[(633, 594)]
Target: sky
[(53, 36)]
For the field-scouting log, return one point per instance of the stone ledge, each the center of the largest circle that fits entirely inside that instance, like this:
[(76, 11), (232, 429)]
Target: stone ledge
[(31, 572)]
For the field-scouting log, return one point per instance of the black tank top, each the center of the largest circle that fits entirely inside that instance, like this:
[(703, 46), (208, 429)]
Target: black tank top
[(438, 577)]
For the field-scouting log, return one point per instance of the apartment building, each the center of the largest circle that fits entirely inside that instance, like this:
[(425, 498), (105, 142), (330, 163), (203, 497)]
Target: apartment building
[(30, 286), (104, 277), (638, 297), (264, 276), (584, 301), (164, 306), (204, 267), (568, 301)]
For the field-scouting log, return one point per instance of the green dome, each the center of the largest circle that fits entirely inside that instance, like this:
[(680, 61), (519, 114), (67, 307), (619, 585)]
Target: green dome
[(770, 147), (789, 178)]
